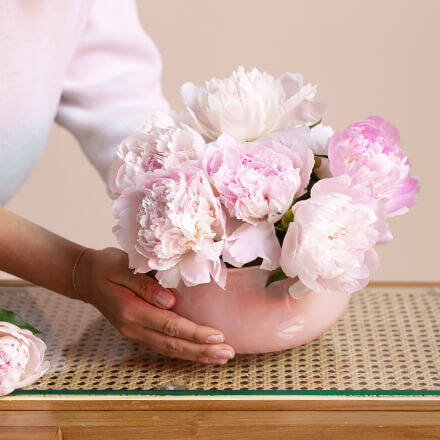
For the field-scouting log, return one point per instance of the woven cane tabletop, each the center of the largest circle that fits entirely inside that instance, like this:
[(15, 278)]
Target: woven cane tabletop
[(388, 339)]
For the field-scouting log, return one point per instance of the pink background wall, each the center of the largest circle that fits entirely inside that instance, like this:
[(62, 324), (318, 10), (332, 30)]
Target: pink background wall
[(376, 57)]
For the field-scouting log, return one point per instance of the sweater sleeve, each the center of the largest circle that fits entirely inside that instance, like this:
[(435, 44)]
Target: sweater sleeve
[(113, 82)]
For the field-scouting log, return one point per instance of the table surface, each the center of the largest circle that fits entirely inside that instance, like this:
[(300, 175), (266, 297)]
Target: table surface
[(387, 343)]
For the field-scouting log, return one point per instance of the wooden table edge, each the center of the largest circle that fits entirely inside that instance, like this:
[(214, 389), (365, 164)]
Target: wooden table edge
[(223, 403)]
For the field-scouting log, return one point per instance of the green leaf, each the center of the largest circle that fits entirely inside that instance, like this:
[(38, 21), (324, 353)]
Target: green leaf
[(276, 275), (317, 163), (13, 318), (286, 219)]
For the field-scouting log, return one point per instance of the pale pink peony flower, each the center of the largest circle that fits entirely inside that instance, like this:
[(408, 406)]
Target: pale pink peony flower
[(162, 144), (256, 181), (369, 152), (329, 245), (21, 358), (249, 104), (172, 222)]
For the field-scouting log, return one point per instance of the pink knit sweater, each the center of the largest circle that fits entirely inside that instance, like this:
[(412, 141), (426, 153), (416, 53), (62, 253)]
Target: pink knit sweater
[(86, 63)]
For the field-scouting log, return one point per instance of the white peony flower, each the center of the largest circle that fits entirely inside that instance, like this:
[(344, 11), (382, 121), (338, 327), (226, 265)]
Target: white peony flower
[(250, 104), (21, 358), (329, 244)]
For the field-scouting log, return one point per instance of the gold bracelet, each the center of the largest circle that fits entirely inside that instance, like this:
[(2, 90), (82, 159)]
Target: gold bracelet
[(78, 259)]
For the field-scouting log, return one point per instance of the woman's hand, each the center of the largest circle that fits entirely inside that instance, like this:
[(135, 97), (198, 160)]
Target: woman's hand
[(137, 306)]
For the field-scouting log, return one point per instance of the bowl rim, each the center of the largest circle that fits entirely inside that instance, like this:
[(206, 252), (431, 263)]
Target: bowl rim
[(247, 269)]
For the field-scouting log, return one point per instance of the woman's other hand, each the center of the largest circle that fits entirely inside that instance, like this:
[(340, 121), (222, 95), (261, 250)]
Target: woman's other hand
[(138, 307)]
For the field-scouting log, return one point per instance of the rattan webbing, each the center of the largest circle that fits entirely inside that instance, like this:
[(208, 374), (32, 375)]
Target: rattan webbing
[(389, 338)]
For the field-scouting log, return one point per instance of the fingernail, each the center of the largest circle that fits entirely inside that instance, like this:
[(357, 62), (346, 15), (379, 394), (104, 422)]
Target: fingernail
[(217, 361), (164, 298), (224, 354), (216, 339)]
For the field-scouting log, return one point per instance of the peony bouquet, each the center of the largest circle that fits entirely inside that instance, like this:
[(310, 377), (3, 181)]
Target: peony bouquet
[(248, 175)]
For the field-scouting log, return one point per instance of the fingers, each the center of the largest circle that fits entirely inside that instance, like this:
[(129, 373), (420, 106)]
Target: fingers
[(136, 311), (172, 324), (136, 305), (149, 290), (183, 349)]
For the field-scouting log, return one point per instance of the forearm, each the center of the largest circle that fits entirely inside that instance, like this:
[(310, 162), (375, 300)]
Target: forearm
[(136, 304), (37, 255)]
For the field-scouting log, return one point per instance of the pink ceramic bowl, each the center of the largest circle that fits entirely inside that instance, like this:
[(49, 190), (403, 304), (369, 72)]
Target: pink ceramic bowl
[(259, 319)]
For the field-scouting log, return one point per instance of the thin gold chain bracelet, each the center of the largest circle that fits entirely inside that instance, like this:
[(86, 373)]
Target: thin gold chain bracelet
[(78, 259)]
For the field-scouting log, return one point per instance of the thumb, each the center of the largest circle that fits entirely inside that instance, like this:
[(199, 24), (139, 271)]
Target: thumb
[(149, 289)]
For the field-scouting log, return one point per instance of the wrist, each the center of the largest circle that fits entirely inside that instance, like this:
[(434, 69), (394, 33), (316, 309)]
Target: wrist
[(77, 281), (84, 270)]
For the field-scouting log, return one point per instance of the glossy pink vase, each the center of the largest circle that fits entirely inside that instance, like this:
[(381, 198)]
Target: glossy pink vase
[(256, 319)]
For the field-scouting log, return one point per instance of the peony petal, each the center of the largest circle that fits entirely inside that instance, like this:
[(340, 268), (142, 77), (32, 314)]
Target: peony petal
[(298, 290), (372, 260), (219, 272), (125, 201), (169, 278), (291, 83), (291, 136), (249, 242), (319, 137), (289, 249), (38, 372), (386, 238), (195, 270), (112, 180), (340, 184), (299, 108)]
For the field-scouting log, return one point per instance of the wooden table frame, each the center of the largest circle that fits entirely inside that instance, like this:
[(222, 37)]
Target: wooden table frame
[(243, 417), (221, 417)]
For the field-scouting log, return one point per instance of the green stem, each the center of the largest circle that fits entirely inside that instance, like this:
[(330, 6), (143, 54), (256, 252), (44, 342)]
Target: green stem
[(315, 124)]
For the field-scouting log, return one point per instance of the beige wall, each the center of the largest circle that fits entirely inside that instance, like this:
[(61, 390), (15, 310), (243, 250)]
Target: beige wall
[(376, 57)]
